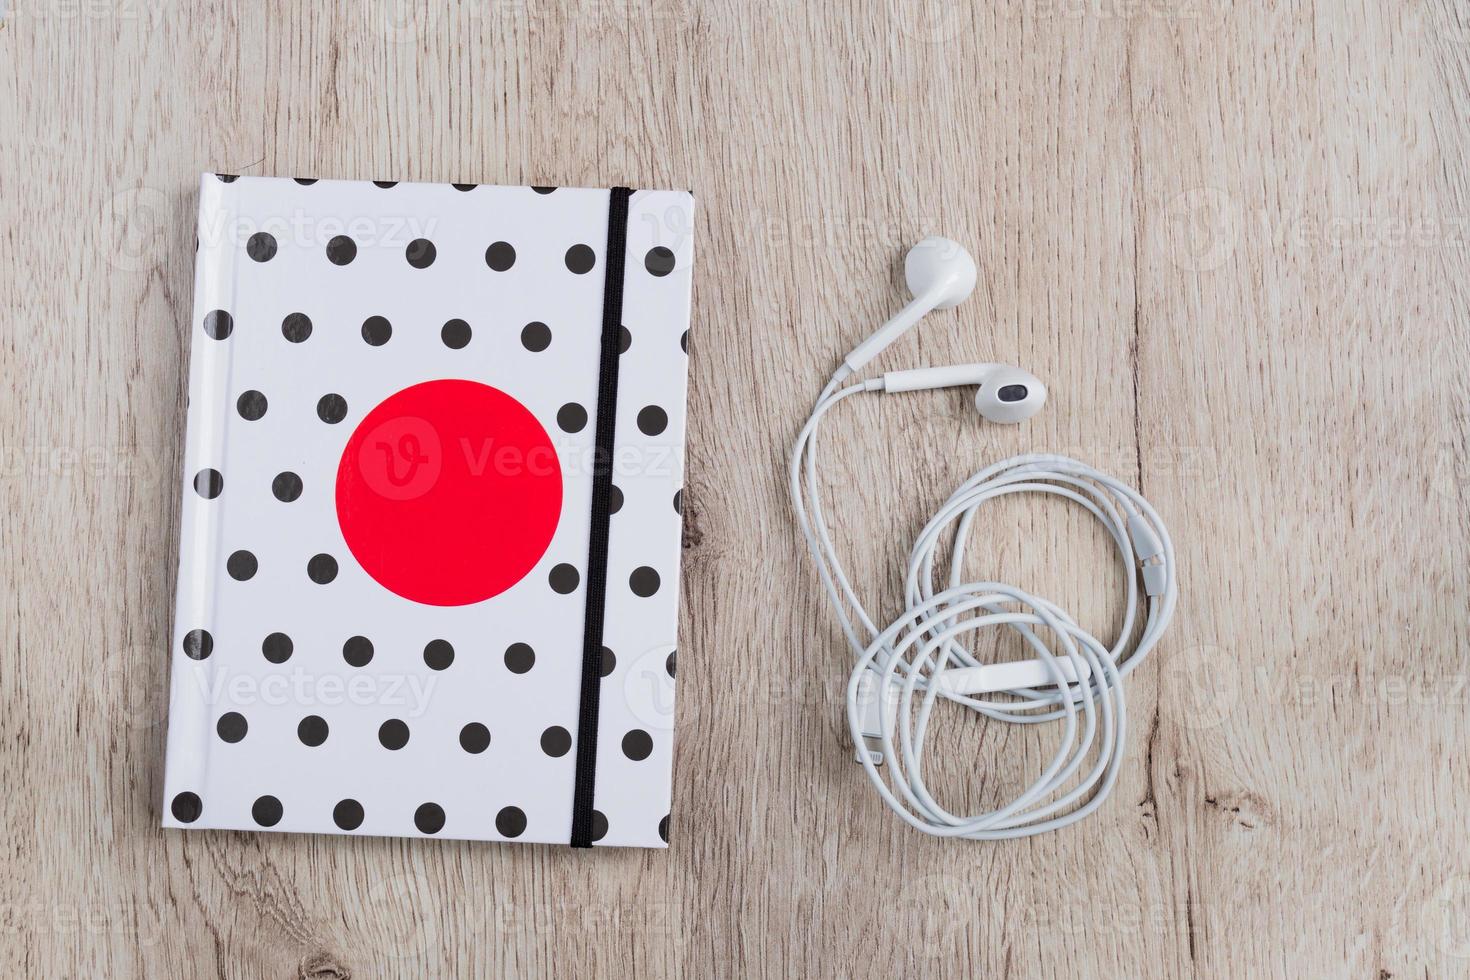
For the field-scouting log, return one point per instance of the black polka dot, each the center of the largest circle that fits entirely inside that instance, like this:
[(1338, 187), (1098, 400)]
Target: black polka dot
[(671, 662), (357, 651), (543, 190), (341, 250), (393, 734), (261, 247), (296, 327), (599, 825), (241, 565), (187, 807), (231, 726), (331, 409), (464, 187), (286, 487), (564, 579), (321, 569), (226, 179), (439, 654), (571, 417), (385, 184), (198, 644), (267, 811), (659, 261), (644, 581), (474, 738), (251, 405), (625, 339), (209, 483), (500, 256), (637, 745), (580, 259), (652, 420), (376, 330), (421, 253), (455, 334), (312, 730), (609, 662), (277, 648), (519, 658), (511, 822), (429, 818), (347, 815), (614, 500), (535, 336), (684, 341), (218, 324), (306, 181), (679, 501), (556, 741), (663, 828)]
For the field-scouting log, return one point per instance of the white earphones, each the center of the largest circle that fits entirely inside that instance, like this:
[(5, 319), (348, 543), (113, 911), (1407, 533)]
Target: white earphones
[(1006, 394), (901, 670), (941, 275)]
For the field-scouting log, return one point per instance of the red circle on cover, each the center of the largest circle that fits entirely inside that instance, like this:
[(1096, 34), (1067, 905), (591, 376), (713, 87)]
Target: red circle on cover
[(448, 492)]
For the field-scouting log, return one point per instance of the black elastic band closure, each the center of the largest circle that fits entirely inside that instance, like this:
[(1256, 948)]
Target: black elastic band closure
[(602, 460)]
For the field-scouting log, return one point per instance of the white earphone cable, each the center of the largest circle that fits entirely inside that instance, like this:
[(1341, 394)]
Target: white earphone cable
[(901, 670)]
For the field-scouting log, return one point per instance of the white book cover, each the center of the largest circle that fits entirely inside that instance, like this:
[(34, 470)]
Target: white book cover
[(389, 555)]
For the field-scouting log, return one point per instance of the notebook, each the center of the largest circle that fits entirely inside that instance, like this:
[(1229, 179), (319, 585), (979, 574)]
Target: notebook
[(431, 525)]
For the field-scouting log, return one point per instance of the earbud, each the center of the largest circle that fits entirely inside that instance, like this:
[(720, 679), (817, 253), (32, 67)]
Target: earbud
[(926, 652), (1010, 395), (1006, 394), (940, 274)]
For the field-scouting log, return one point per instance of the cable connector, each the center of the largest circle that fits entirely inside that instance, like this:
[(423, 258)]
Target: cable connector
[(1013, 675), (1147, 548), (874, 710), (1146, 543), (1155, 579)]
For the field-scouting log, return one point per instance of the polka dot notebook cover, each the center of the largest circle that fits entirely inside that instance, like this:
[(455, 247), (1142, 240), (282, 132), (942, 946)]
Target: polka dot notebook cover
[(429, 564)]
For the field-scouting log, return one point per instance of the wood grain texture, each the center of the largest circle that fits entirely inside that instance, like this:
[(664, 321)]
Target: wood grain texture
[(1234, 239)]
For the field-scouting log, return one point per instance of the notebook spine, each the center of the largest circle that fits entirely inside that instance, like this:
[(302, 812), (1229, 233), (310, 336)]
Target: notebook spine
[(194, 677)]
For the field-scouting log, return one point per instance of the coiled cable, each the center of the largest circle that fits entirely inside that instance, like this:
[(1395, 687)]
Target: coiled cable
[(901, 670)]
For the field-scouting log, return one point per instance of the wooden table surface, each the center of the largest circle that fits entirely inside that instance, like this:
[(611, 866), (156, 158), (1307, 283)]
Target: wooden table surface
[(1231, 237)]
